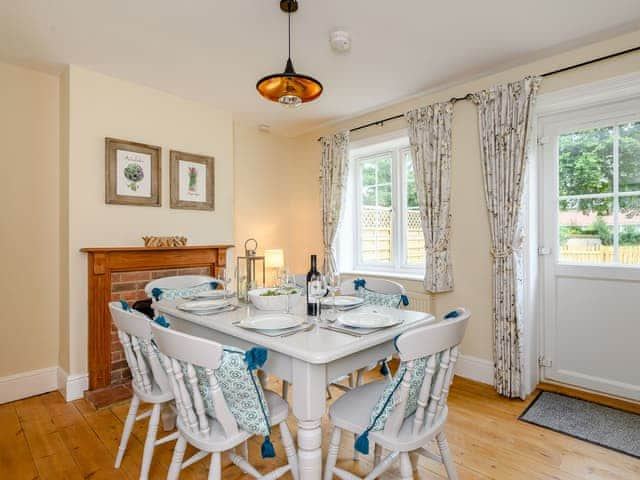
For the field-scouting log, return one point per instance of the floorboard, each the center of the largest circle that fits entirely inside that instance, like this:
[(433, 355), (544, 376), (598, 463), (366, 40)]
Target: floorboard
[(46, 438)]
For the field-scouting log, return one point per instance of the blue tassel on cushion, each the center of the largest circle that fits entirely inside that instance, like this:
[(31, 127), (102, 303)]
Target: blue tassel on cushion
[(267, 449), (384, 370), (156, 293), (359, 283), (214, 285), (362, 443), (452, 314), (160, 320), (125, 306), (405, 300), (255, 357)]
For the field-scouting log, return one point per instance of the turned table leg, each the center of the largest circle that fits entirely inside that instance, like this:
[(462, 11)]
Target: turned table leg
[(309, 405)]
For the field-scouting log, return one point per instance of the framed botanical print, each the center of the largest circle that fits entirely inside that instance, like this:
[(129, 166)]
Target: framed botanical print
[(192, 181), (132, 173)]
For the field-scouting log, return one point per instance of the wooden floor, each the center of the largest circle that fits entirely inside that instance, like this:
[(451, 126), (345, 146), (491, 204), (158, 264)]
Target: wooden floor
[(44, 437)]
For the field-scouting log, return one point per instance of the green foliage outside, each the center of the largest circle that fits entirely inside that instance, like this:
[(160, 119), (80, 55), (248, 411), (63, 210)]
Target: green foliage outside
[(629, 234), (586, 167), (376, 182)]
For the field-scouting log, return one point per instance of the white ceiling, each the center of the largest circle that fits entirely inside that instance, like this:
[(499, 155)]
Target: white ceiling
[(214, 51)]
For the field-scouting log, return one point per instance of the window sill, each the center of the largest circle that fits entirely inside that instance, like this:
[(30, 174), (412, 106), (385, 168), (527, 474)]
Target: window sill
[(394, 275)]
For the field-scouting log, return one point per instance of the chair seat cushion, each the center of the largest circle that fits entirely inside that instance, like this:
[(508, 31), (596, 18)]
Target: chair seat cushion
[(218, 441), (352, 411)]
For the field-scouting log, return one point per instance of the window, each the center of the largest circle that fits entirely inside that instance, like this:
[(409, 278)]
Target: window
[(383, 219), (599, 194)]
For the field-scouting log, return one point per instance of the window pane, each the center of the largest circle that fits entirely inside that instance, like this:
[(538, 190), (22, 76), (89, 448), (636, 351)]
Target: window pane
[(368, 173), (412, 195), (375, 234), (369, 196), (375, 215), (384, 170), (586, 231), (586, 162), (384, 196), (629, 157), (415, 238), (629, 239)]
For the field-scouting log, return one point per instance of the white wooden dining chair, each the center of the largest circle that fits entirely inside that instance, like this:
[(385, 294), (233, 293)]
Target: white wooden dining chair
[(430, 351), (149, 382), (181, 355)]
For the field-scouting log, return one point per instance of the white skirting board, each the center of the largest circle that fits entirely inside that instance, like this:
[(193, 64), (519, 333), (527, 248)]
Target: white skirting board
[(475, 368), (72, 387), (28, 384)]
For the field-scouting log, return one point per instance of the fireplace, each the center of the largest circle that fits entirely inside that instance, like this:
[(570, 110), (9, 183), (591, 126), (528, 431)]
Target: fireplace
[(121, 273)]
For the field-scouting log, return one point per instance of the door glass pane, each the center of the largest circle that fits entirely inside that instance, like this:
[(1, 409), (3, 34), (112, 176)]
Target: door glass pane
[(415, 237), (375, 215), (586, 162), (629, 157), (586, 231), (629, 239)]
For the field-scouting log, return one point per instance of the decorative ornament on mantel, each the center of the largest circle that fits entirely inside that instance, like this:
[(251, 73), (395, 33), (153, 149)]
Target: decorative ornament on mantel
[(174, 241), (289, 88)]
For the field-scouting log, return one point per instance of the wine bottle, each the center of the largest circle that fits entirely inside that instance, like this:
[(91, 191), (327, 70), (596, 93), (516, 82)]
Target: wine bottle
[(313, 274)]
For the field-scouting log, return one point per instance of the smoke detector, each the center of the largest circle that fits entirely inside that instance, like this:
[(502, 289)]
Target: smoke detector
[(340, 40), (263, 127)]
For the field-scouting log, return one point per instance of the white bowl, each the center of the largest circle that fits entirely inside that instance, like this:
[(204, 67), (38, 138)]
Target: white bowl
[(272, 302)]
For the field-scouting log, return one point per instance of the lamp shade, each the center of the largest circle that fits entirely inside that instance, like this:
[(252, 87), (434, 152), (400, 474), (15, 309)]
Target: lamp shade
[(289, 88), (274, 258)]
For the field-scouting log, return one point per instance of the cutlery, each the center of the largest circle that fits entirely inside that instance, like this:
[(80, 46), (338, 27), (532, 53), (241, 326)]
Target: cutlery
[(338, 330), (306, 329)]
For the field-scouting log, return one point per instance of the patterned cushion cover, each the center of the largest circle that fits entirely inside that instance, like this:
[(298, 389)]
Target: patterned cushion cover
[(242, 391), (173, 293), (382, 299), (386, 402)]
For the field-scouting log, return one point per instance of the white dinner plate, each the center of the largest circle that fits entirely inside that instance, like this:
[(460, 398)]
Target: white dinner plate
[(274, 321), (342, 301), (203, 305), (368, 320), (210, 294)]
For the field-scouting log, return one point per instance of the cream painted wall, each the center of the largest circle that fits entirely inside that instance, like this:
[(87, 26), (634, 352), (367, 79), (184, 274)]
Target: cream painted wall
[(29, 210), (470, 233), (102, 106), (262, 202)]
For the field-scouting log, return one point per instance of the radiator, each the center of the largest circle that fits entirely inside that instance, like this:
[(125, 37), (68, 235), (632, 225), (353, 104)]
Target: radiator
[(420, 301)]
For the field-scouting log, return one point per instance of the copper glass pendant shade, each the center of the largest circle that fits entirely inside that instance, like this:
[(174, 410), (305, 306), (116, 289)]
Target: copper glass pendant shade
[(289, 88)]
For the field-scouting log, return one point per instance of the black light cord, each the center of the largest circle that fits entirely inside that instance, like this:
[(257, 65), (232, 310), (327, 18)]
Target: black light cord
[(289, 17)]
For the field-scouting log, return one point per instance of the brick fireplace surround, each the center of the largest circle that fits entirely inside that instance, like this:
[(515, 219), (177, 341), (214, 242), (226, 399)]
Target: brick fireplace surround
[(129, 286), (121, 274)]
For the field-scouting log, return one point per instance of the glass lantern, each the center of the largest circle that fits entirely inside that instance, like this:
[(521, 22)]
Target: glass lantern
[(250, 268)]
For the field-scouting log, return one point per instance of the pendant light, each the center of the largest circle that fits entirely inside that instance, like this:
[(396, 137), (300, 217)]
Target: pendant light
[(289, 88)]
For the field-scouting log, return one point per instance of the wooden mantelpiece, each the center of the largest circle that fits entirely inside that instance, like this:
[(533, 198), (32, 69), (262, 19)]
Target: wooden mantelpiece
[(104, 261)]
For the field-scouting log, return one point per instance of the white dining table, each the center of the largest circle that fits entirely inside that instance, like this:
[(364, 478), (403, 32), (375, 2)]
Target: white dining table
[(308, 360)]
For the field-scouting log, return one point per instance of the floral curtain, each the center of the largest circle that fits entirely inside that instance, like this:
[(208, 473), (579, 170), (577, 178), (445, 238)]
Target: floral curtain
[(333, 183), (504, 115), (430, 138)]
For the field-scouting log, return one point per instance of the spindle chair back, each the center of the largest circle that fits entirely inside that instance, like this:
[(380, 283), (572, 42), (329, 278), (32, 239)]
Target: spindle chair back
[(149, 382), (190, 363), (415, 417)]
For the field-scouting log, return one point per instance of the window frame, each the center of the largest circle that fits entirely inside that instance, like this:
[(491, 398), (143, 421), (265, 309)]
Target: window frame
[(396, 147)]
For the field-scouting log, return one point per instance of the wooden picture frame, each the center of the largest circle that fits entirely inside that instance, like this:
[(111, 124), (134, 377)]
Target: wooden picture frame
[(132, 173), (192, 181)]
